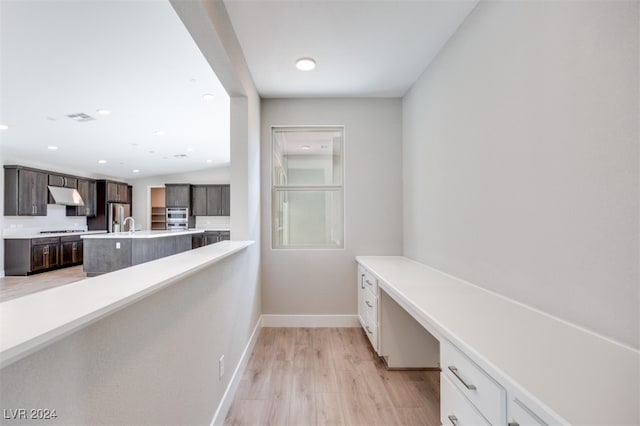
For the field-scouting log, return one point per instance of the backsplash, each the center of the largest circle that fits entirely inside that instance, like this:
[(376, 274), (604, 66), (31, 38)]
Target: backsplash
[(55, 219), (213, 221)]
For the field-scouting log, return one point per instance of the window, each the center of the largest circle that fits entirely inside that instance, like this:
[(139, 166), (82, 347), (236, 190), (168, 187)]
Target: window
[(307, 187)]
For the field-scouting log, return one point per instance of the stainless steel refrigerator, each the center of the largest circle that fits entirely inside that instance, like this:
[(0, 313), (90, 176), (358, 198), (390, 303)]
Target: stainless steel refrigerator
[(115, 217)]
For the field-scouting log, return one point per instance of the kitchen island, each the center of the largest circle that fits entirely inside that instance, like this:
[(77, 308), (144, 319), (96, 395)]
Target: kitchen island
[(117, 250)]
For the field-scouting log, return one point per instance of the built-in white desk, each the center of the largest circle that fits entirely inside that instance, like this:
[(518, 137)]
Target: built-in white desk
[(526, 366)]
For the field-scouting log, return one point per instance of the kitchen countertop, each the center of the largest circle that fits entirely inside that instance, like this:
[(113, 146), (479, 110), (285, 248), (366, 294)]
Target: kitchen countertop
[(57, 234), (213, 228), (34, 321), (141, 234)]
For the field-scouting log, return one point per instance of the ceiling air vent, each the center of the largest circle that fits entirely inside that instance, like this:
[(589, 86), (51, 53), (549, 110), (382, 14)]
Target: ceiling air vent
[(80, 117), (180, 155)]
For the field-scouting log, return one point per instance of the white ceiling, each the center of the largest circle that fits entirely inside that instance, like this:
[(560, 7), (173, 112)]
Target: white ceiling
[(368, 48), (134, 58)]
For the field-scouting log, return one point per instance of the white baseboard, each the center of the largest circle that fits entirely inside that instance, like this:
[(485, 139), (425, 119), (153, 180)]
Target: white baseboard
[(2, 273), (310, 321), (230, 392)]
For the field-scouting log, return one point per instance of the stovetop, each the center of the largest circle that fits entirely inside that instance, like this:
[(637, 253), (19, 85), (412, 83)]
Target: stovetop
[(63, 231)]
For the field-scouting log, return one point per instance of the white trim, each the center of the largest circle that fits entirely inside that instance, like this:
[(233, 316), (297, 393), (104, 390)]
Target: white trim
[(310, 321), (230, 392), (2, 273)]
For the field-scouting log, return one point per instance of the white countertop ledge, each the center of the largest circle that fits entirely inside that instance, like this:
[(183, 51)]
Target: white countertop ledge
[(140, 234), (580, 376), (32, 322)]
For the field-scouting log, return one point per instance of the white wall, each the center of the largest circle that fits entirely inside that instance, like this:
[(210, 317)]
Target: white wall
[(521, 159), (154, 362), (321, 282), (141, 192)]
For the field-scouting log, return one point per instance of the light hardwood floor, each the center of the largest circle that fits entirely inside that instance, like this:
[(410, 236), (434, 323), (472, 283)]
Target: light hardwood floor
[(12, 287), (329, 376)]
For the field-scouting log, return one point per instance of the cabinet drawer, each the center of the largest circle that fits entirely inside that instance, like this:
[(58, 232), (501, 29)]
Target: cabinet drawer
[(370, 306), (45, 240), (455, 409), (370, 282), (371, 330), (521, 415), (484, 392)]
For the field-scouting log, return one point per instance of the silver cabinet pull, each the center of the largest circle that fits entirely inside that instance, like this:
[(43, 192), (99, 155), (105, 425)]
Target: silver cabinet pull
[(368, 282), (369, 330), (362, 281), (453, 419), (454, 370), (368, 304), (514, 423)]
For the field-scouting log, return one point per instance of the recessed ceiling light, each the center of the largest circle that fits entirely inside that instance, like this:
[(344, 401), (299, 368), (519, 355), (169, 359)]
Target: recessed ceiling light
[(189, 149), (102, 161), (305, 147), (52, 147), (103, 111), (135, 171), (3, 127), (209, 161), (159, 133), (305, 64), (207, 97)]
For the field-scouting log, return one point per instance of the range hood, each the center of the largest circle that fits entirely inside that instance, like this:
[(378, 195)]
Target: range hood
[(66, 196)]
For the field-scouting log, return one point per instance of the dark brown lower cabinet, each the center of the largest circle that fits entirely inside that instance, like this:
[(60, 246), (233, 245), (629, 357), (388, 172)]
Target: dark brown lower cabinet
[(30, 256), (209, 237), (197, 241), (212, 237), (71, 251), (44, 254)]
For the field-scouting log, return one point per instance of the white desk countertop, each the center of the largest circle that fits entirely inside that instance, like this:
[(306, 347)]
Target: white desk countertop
[(580, 376), (141, 234), (34, 321)]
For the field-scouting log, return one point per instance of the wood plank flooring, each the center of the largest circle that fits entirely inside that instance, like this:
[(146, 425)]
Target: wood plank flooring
[(12, 287), (329, 376)]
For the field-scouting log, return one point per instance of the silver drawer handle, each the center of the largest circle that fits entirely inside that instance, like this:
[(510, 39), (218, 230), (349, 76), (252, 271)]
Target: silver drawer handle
[(454, 370), (453, 419), (368, 282), (369, 330), (513, 424), (368, 304), (362, 281)]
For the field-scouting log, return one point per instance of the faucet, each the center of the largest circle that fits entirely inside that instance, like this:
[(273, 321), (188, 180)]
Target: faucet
[(132, 228)]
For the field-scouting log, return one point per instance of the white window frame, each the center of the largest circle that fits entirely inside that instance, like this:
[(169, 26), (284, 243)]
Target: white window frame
[(320, 188)]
